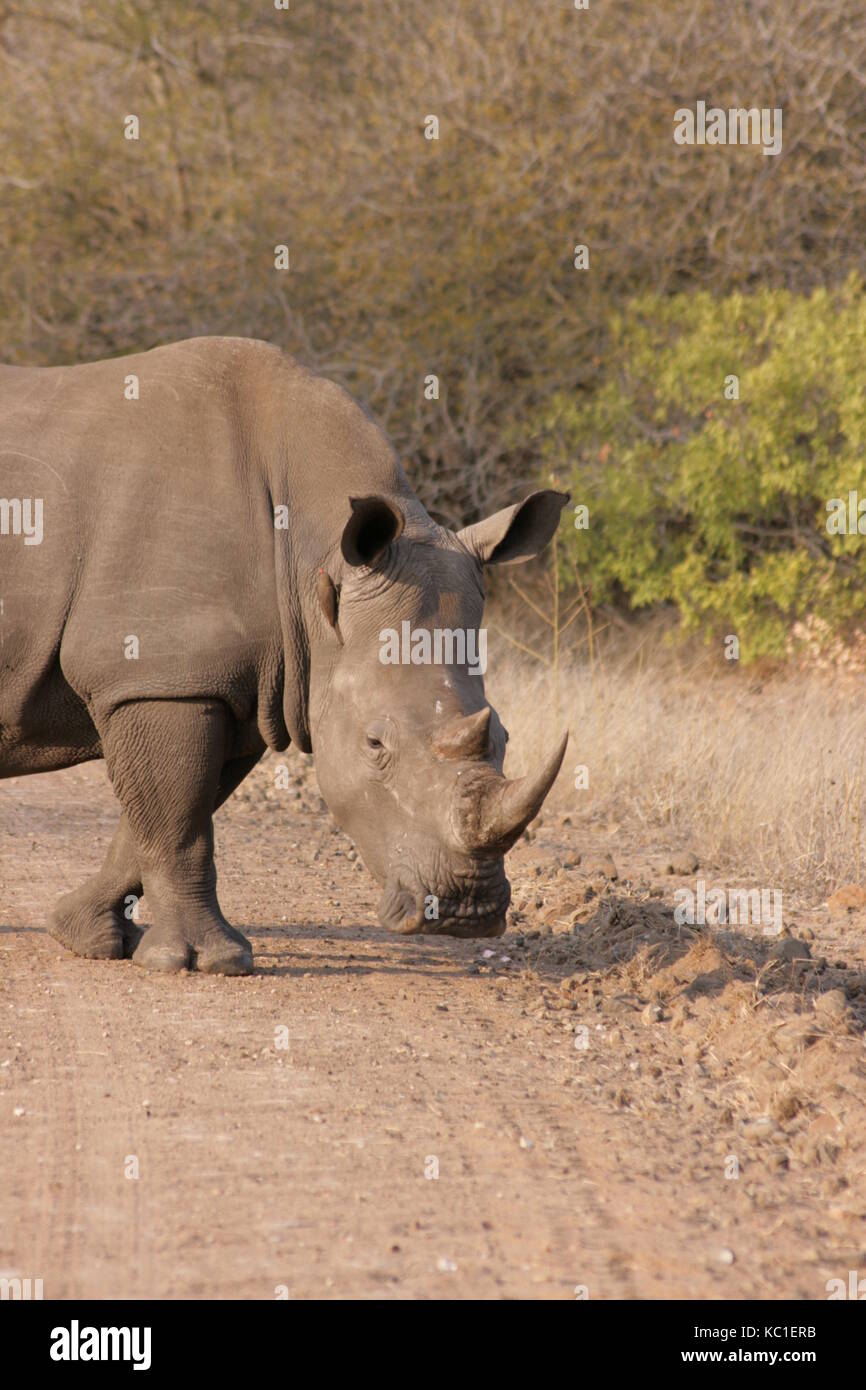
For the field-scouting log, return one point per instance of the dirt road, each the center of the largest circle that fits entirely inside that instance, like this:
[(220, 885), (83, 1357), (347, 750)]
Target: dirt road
[(607, 1103)]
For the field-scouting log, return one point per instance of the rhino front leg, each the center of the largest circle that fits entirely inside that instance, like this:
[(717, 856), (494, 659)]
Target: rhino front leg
[(165, 760), (93, 920)]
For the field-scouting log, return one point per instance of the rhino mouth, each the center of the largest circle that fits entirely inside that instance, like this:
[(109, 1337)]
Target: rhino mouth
[(432, 914)]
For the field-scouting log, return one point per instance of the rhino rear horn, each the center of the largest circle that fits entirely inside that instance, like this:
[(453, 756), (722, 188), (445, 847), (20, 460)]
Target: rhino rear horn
[(465, 737)]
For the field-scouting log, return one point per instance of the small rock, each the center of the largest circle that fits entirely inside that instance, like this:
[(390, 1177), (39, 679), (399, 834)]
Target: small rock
[(603, 866), (851, 898), (653, 1013), (832, 1005), (790, 948), (726, 1256), (785, 1106), (763, 1127), (684, 863), (822, 1126)]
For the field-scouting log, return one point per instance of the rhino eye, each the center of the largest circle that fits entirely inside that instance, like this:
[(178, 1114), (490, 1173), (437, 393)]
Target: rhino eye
[(379, 737)]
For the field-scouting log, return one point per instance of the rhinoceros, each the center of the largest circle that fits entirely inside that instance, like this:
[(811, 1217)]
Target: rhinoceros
[(201, 547)]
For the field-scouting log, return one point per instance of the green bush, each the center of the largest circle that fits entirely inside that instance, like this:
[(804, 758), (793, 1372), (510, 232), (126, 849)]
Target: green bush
[(720, 506)]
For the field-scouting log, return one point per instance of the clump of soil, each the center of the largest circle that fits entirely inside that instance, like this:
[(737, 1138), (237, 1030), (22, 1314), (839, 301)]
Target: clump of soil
[(766, 1033)]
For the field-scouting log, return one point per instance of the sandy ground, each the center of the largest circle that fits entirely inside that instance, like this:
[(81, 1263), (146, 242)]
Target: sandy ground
[(615, 1105)]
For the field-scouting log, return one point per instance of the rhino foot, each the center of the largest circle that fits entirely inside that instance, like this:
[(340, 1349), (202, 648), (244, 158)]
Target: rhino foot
[(467, 927), (89, 928), (218, 950)]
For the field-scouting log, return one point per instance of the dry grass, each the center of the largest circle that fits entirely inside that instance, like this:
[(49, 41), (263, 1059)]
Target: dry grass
[(764, 776)]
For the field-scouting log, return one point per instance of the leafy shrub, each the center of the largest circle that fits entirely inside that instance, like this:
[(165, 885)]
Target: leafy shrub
[(720, 506)]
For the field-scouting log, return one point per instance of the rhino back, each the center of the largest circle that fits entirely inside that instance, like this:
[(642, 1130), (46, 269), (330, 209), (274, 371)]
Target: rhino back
[(159, 572)]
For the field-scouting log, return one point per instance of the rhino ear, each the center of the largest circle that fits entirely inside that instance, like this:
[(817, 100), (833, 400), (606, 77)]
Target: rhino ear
[(516, 533), (374, 524)]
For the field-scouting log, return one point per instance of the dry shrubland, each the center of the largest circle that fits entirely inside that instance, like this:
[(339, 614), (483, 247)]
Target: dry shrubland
[(764, 777), (409, 256)]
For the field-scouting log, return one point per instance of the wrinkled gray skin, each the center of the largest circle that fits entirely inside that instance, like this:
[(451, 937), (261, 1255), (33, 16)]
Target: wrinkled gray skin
[(158, 525)]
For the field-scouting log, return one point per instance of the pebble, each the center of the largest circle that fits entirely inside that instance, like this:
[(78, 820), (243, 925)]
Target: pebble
[(604, 865), (851, 898), (684, 863), (791, 948), (831, 1005), (761, 1128)]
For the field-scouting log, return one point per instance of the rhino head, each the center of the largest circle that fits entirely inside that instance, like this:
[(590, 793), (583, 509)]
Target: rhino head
[(408, 752)]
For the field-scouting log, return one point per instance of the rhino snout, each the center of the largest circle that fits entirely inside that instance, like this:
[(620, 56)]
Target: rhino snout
[(480, 910)]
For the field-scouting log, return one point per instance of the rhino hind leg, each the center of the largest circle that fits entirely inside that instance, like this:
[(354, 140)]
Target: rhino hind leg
[(166, 760), (93, 920)]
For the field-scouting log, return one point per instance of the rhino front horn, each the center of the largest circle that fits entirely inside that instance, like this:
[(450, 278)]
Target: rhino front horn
[(490, 812)]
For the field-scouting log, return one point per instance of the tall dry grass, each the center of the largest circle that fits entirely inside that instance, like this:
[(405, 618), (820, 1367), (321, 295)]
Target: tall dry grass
[(764, 777)]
